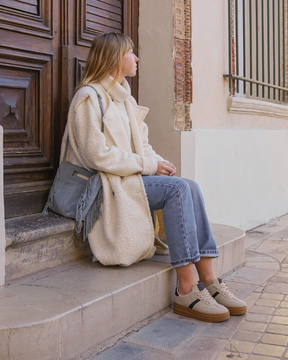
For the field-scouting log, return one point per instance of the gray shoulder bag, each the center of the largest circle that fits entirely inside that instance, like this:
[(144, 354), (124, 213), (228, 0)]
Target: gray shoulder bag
[(77, 193)]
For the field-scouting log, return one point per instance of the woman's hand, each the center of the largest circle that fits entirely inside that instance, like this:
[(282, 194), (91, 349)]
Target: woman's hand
[(165, 168)]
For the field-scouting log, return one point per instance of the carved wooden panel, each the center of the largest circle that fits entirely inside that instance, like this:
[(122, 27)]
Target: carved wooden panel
[(80, 66), (29, 16), (25, 106), (96, 16)]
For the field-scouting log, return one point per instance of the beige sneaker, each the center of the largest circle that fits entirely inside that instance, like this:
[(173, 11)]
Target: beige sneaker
[(200, 305), (219, 291)]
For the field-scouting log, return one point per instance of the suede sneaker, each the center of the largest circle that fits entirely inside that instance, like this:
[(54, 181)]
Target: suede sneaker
[(219, 291), (199, 304)]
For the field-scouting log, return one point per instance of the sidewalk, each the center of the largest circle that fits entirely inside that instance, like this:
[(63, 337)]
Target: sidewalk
[(259, 335)]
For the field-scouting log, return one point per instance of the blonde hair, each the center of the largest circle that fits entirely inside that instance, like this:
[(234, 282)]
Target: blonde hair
[(105, 56)]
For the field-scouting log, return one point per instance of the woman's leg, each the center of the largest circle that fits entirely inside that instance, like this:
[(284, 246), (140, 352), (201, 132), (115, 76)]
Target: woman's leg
[(186, 225), (190, 240)]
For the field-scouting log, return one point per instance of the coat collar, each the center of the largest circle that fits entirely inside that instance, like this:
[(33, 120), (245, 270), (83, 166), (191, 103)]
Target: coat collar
[(118, 92)]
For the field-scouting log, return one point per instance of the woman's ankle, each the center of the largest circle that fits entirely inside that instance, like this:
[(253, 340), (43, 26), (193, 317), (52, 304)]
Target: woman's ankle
[(185, 289)]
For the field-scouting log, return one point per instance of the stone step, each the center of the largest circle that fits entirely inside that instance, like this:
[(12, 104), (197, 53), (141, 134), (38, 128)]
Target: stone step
[(35, 243), (63, 312)]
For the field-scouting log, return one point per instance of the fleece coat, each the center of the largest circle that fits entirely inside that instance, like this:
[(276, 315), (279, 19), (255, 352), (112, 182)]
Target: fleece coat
[(124, 233)]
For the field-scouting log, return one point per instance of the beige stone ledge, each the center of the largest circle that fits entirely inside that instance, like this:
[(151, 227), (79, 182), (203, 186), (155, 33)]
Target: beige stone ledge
[(240, 105)]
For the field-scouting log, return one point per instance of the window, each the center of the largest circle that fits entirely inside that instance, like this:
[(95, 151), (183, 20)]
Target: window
[(258, 62)]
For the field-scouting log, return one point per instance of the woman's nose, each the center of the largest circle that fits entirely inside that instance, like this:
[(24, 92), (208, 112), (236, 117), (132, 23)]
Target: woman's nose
[(136, 59)]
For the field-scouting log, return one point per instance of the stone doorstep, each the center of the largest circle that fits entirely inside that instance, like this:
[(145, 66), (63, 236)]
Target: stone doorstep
[(35, 243), (65, 311)]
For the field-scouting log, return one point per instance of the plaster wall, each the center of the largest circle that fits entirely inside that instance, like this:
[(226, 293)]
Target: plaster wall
[(156, 76), (2, 224), (243, 174)]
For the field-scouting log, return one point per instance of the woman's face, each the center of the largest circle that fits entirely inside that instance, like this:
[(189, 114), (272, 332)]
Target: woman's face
[(129, 64)]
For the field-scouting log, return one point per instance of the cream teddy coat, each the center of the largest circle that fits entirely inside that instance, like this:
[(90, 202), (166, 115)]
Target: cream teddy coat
[(124, 233)]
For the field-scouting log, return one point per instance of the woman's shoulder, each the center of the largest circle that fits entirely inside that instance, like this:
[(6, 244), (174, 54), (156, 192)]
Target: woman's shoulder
[(88, 92)]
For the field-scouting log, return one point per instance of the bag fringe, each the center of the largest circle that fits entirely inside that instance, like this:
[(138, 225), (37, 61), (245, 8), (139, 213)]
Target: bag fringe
[(93, 214)]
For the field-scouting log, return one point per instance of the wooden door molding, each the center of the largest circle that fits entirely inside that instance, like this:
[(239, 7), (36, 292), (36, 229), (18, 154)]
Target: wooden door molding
[(34, 19), (95, 17)]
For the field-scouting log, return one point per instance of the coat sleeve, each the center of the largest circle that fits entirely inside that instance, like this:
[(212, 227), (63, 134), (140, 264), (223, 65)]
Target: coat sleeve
[(94, 153)]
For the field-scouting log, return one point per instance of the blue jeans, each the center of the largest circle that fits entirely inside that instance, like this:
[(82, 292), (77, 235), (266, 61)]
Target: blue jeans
[(188, 232)]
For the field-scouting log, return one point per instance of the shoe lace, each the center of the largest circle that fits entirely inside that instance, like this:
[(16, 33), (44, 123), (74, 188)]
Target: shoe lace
[(205, 296), (224, 290)]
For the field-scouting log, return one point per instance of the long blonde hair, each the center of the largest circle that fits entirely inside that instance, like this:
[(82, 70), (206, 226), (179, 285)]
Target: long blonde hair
[(105, 56)]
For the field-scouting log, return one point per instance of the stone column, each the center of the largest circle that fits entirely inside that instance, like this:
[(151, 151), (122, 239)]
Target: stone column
[(2, 223)]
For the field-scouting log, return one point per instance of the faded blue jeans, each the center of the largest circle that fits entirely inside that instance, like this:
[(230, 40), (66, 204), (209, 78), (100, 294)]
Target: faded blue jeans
[(188, 232)]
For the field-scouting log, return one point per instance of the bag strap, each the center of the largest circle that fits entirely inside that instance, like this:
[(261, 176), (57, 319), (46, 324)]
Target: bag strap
[(102, 122)]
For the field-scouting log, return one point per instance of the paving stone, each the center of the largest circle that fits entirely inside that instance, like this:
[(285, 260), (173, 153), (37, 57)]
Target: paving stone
[(201, 348), (251, 276), (286, 298), (286, 355), (277, 329), (260, 234), (252, 326), (128, 352), (241, 290), (284, 304), (280, 320), (166, 335), (268, 302), (281, 312), (250, 241), (259, 289), (172, 315), (282, 274), (279, 288), (230, 355), (240, 346), (259, 357), (258, 317), (271, 296), (262, 310), (270, 350), (224, 329), (279, 279), (246, 335), (274, 339), (251, 299), (262, 265), (280, 235), (272, 228)]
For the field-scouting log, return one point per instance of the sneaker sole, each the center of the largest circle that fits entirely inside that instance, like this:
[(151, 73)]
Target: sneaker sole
[(234, 311), (183, 310)]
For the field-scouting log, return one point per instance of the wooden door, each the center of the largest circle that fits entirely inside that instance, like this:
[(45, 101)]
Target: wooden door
[(43, 47)]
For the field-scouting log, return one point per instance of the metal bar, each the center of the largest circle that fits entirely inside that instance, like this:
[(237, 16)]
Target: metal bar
[(279, 52), (283, 49), (274, 56), (268, 44), (236, 77), (237, 44), (263, 48), (244, 45), (257, 47), (251, 47), (229, 41)]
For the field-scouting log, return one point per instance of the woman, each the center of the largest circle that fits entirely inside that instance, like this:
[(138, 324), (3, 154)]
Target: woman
[(136, 180)]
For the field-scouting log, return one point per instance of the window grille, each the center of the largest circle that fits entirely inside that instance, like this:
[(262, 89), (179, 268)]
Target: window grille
[(258, 54)]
